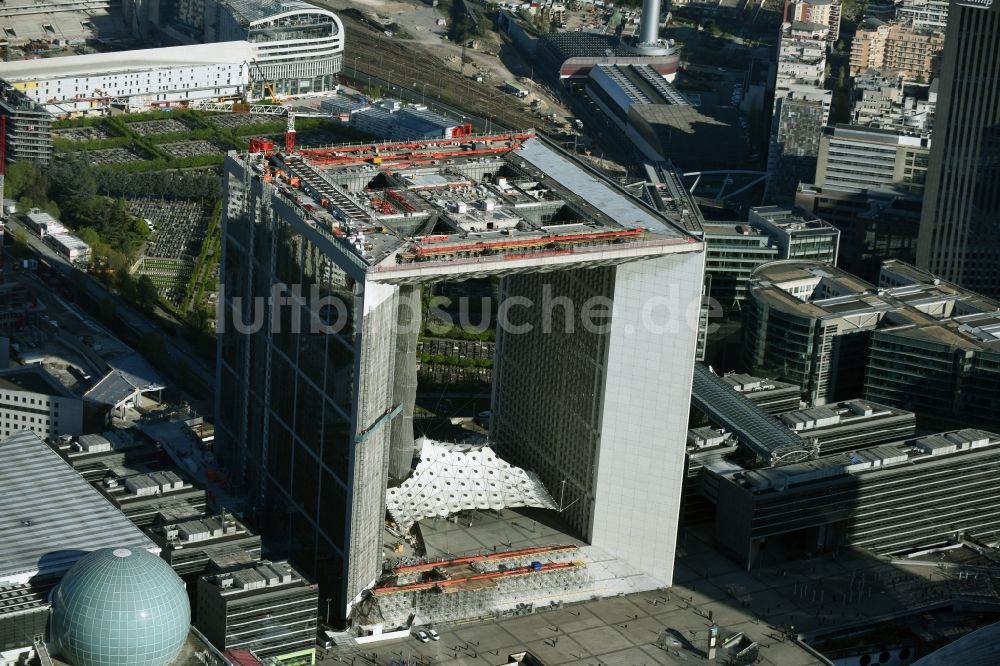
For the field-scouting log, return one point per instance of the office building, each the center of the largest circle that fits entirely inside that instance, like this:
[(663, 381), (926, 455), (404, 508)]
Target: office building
[(24, 616), (875, 225), (850, 424), (801, 108), (317, 462), (942, 362), (809, 323), (896, 47), (865, 158), (32, 399), (96, 456), (797, 234), (28, 134), (891, 499), (771, 233), (269, 608), (191, 547), (794, 145), (959, 237), (772, 396), (735, 250), (930, 346)]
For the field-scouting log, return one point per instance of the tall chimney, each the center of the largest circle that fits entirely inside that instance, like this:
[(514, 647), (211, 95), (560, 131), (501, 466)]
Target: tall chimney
[(649, 26)]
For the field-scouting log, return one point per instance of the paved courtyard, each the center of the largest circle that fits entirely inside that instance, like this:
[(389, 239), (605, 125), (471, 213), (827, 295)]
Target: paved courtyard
[(768, 605)]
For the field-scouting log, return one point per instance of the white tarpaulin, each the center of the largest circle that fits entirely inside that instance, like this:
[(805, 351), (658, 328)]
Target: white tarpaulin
[(457, 477)]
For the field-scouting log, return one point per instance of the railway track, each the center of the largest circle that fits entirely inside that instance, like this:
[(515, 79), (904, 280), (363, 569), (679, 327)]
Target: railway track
[(406, 66)]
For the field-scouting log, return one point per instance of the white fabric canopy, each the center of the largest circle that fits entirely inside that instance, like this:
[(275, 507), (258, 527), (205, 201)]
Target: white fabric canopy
[(456, 477)]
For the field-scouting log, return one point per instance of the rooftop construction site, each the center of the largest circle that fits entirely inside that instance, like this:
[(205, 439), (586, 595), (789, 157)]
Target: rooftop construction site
[(404, 207)]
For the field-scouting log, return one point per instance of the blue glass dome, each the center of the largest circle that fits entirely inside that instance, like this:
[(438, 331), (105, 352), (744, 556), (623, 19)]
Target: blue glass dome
[(120, 607)]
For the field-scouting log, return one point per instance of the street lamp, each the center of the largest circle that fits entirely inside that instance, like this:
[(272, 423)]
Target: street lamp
[(356, 67), (328, 611)]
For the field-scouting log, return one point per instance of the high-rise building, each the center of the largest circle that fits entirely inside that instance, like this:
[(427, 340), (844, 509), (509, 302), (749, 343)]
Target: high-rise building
[(865, 158), (794, 145), (960, 226), (324, 255), (893, 46), (269, 608), (875, 225), (923, 14), (29, 127), (809, 323)]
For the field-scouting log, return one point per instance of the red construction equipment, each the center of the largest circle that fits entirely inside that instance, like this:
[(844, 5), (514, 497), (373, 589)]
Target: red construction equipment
[(421, 251), (489, 557), (260, 145), (534, 568)]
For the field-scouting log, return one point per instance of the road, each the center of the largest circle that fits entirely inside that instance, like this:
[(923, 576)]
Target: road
[(176, 349)]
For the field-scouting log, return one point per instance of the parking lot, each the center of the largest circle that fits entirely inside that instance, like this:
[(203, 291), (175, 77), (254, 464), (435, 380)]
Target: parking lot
[(153, 127)]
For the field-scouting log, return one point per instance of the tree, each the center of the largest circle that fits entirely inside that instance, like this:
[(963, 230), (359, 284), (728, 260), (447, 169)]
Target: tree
[(842, 78), (145, 293), (71, 182), (25, 179)]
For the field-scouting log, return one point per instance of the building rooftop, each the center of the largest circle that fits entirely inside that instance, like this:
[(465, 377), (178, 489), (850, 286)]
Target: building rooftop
[(249, 11), (820, 290), (260, 579), (872, 460), (96, 64), (416, 210), (210, 530), (667, 193), (33, 379), (64, 22), (755, 428), (846, 413), (50, 516), (744, 383), (794, 221)]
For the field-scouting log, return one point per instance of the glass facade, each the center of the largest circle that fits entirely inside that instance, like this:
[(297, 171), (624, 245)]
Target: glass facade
[(120, 607)]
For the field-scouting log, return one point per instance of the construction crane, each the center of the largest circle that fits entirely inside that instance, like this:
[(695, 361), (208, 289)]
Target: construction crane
[(266, 85)]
